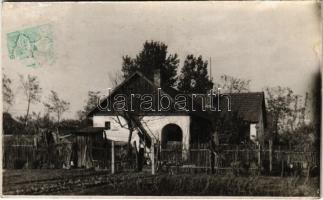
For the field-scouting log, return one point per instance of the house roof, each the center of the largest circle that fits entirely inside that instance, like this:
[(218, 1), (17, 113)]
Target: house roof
[(11, 125), (127, 80), (248, 106), (167, 90)]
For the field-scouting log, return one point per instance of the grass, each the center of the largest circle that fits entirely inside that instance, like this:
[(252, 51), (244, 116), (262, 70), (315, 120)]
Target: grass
[(210, 185), (168, 185)]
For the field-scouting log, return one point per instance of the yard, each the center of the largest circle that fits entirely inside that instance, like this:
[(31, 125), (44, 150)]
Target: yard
[(90, 182)]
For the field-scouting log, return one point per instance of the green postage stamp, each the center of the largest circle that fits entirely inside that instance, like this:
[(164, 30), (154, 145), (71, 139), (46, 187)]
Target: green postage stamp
[(33, 46)]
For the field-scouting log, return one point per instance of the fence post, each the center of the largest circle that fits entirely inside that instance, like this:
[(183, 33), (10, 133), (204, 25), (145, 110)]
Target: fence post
[(282, 169), (248, 156), (152, 157), (259, 156), (112, 158), (236, 154), (270, 155)]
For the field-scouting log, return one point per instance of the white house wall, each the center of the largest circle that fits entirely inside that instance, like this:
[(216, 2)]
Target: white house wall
[(253, 132), (257, 130), (153, 125), (116, 132), (99, 121)]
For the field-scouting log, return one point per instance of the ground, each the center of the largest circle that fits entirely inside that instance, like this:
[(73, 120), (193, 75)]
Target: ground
[(90, 182)]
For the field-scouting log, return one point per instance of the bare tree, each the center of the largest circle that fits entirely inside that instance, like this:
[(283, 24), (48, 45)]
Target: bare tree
[(232, 84), (80, 114), (115, 79), (32, 91), (57, 105), (133, 121), (7, 92)]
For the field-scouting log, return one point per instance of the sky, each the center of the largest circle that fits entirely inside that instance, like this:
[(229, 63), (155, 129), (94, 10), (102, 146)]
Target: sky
[(270, 43)]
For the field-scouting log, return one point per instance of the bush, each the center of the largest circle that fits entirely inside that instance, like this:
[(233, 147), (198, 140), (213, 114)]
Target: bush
[(20, 164)]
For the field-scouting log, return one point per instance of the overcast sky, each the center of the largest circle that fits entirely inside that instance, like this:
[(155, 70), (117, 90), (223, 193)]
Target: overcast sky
[(271, 43)]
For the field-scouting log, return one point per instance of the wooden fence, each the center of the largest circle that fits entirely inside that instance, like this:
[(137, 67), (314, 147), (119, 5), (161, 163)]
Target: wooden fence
[(18, 152), (255, 159), (25, 155), (18, 156), (32, 151), (24, 152)]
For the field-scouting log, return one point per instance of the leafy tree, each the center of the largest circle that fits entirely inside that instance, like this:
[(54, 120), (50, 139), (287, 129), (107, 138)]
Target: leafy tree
[(232, 84), (56, 105), (129, 66), (231, 128), (194, 76), (116, 78), (285, 110), (303, 136), (80, 114), (7, 92), (35, 121), (278, 105), (154, 55), (32, 91), (46, 121), (92, 101)]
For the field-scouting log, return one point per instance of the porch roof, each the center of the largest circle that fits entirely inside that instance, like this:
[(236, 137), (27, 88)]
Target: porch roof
[(90, 130)]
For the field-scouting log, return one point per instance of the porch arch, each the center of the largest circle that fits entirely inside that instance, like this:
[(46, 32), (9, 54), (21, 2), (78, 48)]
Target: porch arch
[(171, 136)]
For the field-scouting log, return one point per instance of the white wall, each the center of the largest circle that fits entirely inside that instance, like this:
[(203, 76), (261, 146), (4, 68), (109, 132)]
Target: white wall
[(153, 124), (253, 132), (117, 132), (99, 121), (257, 130)]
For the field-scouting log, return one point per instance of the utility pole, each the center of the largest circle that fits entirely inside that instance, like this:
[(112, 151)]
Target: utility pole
[(112, 158), (211, 69), (153, 157)]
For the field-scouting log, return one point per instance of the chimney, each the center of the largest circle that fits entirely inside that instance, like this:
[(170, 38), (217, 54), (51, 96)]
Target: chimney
[(157, 78)]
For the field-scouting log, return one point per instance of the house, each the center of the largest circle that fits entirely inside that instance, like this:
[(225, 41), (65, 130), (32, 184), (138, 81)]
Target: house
[(11, 126), (140, 106), (159, 123), (248, 112)]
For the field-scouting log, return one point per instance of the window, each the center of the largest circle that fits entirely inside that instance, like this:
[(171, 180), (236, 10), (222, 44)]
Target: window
[(253, 132), (107, 125)]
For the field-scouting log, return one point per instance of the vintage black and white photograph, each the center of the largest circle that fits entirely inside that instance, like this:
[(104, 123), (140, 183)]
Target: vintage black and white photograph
[(219, 99)]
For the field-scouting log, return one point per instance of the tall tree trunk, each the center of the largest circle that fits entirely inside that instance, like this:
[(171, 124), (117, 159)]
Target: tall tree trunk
[(276, 130), (129, 139), (58, 118), (27, 114)]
